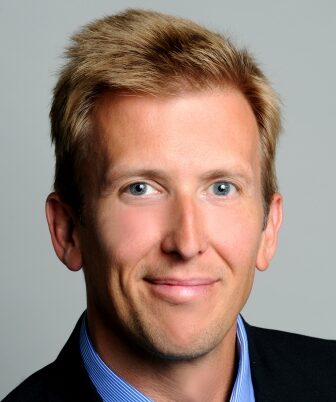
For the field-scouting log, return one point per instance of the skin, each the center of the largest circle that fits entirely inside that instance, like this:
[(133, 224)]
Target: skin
[(169, 262)]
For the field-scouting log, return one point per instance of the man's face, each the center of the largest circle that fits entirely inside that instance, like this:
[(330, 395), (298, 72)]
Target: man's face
[(174, 232)]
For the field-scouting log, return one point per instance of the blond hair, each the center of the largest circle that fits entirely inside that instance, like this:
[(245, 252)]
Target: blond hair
[(151, 53)]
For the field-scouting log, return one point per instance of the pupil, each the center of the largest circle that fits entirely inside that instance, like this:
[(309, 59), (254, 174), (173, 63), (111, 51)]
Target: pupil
[(138, 188), (222, 188)]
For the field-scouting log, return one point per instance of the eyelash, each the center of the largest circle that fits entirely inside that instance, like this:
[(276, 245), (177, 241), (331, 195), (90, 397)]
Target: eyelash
[(128, 189), (231, 187), (138, 183)]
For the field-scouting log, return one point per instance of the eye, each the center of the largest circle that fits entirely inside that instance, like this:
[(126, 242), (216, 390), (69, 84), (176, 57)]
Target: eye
[(222, 188), (140, 188)]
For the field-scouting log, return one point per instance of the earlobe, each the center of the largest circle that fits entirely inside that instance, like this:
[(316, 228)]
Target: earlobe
[(270, 234), (63, 228)]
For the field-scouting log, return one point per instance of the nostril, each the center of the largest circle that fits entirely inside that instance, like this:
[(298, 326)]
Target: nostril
[(183, 247), (185, 237)]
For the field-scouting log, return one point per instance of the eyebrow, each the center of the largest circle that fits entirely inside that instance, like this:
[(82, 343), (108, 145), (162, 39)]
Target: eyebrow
[(113, 175), (235, 172)]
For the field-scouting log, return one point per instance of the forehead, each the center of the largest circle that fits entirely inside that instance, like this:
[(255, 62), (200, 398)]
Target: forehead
[(196, 131)]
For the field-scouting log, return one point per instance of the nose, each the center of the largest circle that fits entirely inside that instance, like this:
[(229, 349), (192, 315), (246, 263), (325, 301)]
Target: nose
[(186, 233)]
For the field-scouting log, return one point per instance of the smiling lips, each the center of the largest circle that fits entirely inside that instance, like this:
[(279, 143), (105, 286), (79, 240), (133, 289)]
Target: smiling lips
[(180, 290)]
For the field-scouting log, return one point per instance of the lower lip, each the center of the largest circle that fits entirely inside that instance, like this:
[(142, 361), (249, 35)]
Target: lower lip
[(177, 294)]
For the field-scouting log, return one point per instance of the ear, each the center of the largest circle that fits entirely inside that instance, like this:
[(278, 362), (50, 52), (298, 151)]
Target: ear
[(270, 233), (63, 228)]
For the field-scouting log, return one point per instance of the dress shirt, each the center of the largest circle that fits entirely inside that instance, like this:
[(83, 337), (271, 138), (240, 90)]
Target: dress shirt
[(113, 388)]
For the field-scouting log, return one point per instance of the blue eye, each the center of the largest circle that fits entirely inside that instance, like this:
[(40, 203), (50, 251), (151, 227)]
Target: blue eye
[(140, 188), (222, 188)]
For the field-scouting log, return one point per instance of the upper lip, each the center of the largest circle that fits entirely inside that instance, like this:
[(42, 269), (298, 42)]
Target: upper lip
[(181, 282)]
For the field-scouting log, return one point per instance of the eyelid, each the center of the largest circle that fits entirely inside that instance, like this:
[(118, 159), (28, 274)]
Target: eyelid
[(233, 186), (125, 189), (148, 187)]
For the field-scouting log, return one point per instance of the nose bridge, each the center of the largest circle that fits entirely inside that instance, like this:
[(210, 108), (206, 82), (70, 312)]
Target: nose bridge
[(186, 235)]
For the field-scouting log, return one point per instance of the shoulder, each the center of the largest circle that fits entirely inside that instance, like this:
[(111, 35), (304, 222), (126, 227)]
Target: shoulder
[(64, 380), (57, 382), (295, 345), (34, 388), (289, 364)]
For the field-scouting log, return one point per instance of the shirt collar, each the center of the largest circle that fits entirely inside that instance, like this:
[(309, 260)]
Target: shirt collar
[(113, 388), (243, 388)]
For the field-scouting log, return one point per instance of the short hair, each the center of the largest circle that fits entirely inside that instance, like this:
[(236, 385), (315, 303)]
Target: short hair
[(148, 52)]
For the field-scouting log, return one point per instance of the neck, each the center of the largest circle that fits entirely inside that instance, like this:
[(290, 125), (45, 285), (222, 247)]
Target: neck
[(207, 378)]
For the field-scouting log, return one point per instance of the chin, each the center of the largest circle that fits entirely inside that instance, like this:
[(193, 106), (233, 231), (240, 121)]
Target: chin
[(178, 347), (181, 355)]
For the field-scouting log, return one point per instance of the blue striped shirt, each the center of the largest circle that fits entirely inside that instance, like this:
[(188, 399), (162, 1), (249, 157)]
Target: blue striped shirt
[(113, 388)]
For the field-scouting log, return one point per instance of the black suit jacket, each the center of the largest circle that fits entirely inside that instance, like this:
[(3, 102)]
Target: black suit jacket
[(285, 368)]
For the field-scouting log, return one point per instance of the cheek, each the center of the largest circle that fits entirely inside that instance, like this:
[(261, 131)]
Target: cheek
[(235, 233), (129, 233)]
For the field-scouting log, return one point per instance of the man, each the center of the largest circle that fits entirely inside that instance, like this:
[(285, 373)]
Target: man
[(166, 196)]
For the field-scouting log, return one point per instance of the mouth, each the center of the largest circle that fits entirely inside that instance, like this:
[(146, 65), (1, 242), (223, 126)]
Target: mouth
[(177, 291)]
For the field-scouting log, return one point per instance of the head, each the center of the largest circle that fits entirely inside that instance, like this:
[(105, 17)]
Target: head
[(144, 52), (165, 138)]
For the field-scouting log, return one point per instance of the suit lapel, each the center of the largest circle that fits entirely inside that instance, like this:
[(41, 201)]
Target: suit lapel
[(69, 380)]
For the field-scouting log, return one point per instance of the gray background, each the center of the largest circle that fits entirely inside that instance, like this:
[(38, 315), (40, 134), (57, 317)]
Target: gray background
[(295, 44)]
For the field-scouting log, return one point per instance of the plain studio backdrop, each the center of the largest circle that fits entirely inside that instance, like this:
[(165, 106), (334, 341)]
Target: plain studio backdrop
[(295, 43)]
